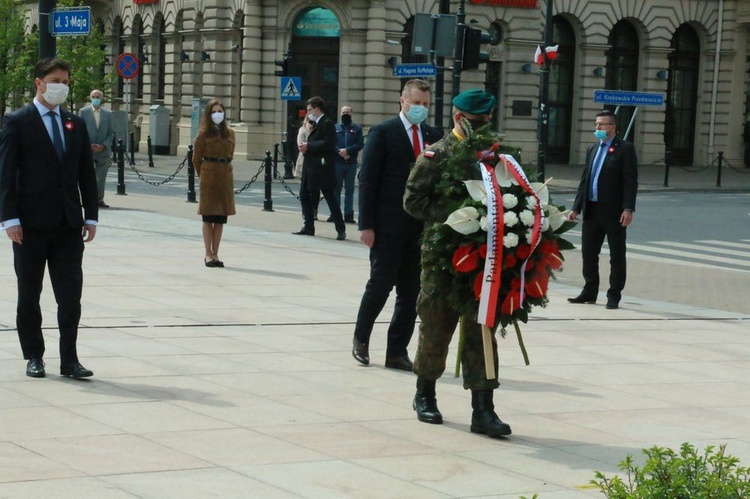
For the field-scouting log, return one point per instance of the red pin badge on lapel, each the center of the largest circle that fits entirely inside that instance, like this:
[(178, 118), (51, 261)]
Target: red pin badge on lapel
[(69, 126)]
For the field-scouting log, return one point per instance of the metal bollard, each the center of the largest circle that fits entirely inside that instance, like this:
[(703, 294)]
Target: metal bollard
[(132, 148), (121, 168), (150, 152), (191, 176), (667, 162), (276, 161), (267, 201), (718, 170), (288, 167)]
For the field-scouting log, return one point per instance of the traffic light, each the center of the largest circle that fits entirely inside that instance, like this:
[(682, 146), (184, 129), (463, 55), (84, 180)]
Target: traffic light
[(283, 64), (473, 56)]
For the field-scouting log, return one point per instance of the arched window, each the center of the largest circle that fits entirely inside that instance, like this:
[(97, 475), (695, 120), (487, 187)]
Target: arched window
[(161, 58), (561, 92), (140, 42), (119, 44), (682, 95), (622, 69)]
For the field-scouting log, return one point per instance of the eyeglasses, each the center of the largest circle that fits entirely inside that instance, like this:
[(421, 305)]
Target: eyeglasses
[(604, 124)]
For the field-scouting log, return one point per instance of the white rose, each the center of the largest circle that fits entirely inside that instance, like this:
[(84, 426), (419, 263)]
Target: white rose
[(510, 240), (509, 201), (527, 218), (510, 219), (529, 236)]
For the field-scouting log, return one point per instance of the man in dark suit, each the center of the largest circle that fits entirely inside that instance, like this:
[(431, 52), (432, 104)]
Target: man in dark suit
[(319, 169), (46, 175), (393, 236), (606, 200)]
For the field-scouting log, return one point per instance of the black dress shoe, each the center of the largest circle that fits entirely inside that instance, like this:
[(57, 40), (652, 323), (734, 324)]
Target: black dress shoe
[(75, 370), (612, 303), (329, 219), (218, 263), (304, 232), (402, 363), (35, 368), (349, 219), (583, 298), (341, 236), (360, 352), (209, 263), (102, 204)]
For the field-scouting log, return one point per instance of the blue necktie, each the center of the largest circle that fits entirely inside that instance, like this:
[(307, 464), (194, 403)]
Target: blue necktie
[(596, 168), (56, 137)]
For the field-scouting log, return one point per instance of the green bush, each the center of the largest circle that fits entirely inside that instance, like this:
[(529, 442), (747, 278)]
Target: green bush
[(687, 475)]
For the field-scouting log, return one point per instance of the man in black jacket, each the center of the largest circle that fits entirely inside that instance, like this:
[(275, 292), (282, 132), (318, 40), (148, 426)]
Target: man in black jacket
[(46, 175), (393, 236), (606, 200), (318, 171)]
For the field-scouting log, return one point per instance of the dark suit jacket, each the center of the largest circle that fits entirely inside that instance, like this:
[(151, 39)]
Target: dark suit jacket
[(319, 170), (35, 186), (386, 162), (618, 179)]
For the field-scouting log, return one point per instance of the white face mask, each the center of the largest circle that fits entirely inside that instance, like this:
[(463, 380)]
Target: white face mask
[(217, 117), (56, 93)]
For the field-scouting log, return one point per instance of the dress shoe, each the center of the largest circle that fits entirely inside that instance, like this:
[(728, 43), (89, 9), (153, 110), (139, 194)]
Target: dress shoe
[(304, 232), (75, 370), (35, 368), (612, 303), (360, 352), (349, 219), (402, 363), (583, 298), (329, 219), (341, 236), (102, 204)]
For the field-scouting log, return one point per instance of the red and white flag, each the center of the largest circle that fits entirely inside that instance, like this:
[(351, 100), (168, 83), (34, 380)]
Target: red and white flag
[(550, 51)]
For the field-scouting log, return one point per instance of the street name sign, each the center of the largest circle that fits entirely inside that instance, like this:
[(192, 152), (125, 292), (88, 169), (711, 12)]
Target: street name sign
[(414, 70), (74, 21), (622, 98)]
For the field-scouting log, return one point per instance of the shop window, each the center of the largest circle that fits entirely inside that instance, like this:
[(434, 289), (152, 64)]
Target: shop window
[(682, 95), (561, 92), (622, 70)]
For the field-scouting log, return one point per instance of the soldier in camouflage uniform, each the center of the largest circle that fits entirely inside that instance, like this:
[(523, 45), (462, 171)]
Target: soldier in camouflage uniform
[(438, 319)]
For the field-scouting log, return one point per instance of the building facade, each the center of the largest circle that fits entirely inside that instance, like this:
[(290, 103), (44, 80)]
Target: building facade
[(693, 52)]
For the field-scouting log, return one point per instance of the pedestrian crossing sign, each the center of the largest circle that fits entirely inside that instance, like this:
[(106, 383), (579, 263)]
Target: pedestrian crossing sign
[(291, 88)]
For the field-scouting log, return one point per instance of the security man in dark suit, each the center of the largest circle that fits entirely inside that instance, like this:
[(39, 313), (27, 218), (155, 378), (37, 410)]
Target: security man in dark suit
[(46, 175), (319, 170), (393, 236), (606, 200)]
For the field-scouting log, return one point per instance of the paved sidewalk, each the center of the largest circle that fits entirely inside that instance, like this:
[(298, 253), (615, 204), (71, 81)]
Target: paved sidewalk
[(239, 382)]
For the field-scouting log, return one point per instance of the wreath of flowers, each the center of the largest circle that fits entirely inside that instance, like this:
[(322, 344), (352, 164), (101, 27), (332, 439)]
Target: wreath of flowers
[(455, 251)]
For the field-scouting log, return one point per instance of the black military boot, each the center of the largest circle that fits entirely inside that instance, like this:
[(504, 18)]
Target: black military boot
[(425, 403), (483, 419)]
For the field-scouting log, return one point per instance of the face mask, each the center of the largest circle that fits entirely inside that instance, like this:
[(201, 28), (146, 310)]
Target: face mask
[(96, 102), (475, 124), (346, 119), (217, 117), (56, 93), (600, 134), (416, 114), (311, 116)]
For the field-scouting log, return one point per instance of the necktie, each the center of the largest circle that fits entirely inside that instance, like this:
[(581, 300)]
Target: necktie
[(415, 140), (596, 168), (56, 137)]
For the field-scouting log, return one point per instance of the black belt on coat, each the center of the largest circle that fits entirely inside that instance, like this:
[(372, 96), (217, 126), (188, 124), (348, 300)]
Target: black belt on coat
[(216, 160)]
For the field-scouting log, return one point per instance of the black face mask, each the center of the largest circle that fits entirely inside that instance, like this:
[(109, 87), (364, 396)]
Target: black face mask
[(346, 119), (475, 124)]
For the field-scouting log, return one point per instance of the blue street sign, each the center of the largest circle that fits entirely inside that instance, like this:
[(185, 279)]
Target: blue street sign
[(621, 98), (291, 88), (414, 70), (74, 21)]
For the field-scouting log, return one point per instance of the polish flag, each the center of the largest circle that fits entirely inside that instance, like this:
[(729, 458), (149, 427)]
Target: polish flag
[(550, 51), (538, 58)]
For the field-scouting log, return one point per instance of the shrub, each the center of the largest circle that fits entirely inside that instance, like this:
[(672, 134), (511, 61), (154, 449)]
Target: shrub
[(687, 475)]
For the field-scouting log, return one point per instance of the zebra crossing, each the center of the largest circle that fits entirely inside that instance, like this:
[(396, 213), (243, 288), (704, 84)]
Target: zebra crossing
[(706, 253)]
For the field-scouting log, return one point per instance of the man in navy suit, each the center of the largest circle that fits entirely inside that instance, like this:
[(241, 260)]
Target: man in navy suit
[(46, 176), (606, 200), (393, 236)]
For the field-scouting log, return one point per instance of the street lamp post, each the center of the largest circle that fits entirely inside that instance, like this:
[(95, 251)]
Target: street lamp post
[(543, 126), (458, 54), (46, 40)]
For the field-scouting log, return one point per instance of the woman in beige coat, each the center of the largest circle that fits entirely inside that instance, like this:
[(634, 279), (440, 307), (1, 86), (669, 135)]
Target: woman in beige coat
[(212, 157)]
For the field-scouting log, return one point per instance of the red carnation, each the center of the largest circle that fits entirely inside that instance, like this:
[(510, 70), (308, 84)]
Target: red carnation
[(510, 261), (523, 251), (466, 258)]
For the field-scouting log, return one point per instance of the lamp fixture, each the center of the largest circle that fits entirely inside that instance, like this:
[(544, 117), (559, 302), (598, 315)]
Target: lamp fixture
[(393, 62), (184, 56), (599, 71), (205, 56), (526, 68), (662, 74)]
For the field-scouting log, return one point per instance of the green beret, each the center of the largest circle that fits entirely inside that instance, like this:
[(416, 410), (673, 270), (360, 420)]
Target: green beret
[(475, 101)]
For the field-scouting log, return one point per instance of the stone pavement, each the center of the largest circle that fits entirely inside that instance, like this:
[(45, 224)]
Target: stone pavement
[(239, 382)]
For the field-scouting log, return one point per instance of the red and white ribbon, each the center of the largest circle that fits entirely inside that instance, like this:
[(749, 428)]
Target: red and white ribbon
[(493, 264)]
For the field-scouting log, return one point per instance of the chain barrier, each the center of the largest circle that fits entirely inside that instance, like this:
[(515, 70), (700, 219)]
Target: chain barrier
[(255, 177), (284, 184), (168, 179), (743, 169)]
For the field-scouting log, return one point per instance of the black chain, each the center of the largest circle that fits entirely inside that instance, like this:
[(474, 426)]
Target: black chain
[(284, 184), (168, 179), (744, 170), (255, 177)]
